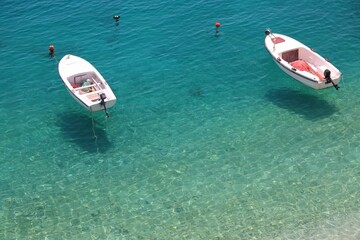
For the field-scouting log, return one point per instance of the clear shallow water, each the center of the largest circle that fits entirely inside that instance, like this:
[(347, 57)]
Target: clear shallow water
[(208, 139)]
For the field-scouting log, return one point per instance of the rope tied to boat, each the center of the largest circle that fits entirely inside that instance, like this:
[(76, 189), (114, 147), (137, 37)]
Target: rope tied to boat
[(93, 129)]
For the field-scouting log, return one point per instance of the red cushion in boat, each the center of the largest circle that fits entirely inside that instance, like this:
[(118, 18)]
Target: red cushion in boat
[(301, 65), (277, 40), (304, 66)]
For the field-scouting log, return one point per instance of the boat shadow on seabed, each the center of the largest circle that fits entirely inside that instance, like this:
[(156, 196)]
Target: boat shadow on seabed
[(80, 129), (311, 107)]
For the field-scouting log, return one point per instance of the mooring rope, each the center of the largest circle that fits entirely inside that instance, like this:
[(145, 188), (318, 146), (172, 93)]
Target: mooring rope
[(93, 129), (347, 93), (56, 60)]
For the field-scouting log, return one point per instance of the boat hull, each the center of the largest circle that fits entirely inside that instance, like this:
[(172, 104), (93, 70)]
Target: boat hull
[(85, 84), (288, 53)]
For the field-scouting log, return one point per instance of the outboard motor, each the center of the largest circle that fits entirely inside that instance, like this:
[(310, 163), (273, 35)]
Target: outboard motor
[(103, 97), (327, 76)]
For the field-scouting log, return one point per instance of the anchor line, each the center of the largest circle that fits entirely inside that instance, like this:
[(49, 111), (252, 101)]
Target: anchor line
[(93, 129)]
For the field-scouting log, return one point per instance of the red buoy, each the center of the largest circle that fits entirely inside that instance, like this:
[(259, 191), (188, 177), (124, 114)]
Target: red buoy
[(51, 51), (217, 25)]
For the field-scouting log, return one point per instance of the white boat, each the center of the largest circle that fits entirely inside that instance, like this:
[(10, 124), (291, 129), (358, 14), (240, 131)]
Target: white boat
[(301, 62), (85, 84)]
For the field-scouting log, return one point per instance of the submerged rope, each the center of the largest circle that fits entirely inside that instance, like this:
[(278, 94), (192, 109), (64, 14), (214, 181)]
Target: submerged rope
[(343, 82), (347, 93), (93, 129), (56, 60)]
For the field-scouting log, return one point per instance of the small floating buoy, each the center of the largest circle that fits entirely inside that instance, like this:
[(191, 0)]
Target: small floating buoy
[(116, 17), (217, 25), (51, 50)]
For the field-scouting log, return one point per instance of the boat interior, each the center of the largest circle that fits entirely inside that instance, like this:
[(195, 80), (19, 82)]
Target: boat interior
[(302, 54), (290, 56), (87, 84), (305, 60)]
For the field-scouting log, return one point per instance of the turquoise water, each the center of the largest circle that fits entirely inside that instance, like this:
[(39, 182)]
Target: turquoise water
[(209, 139)]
